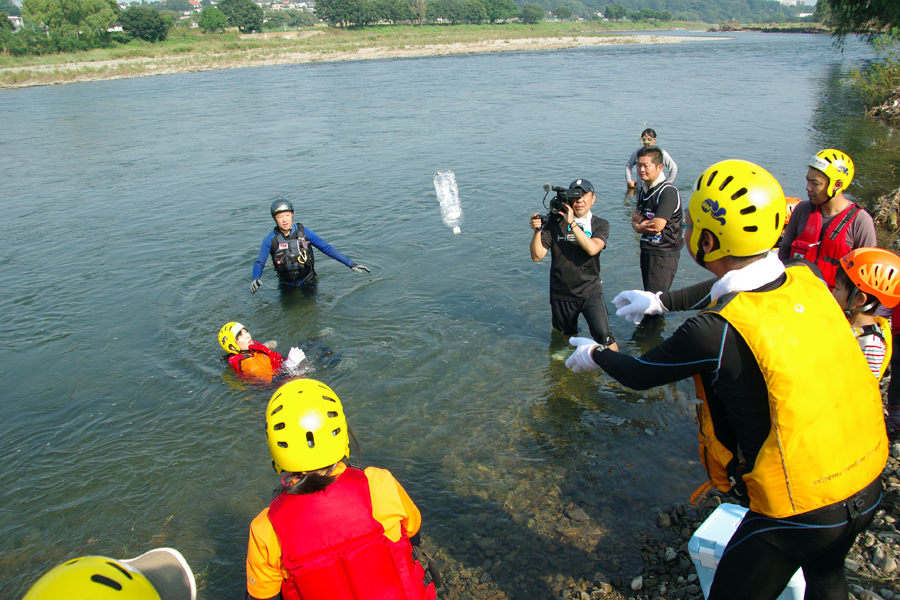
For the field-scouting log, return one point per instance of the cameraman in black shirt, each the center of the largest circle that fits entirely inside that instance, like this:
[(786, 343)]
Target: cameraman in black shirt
[(575, 238)]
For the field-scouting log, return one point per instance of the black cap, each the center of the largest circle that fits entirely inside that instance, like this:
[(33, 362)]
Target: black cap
[(582, 184)]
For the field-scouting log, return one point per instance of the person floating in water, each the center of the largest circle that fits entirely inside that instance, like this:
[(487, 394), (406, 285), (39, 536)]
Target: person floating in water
[(289, 246), (252, 359)]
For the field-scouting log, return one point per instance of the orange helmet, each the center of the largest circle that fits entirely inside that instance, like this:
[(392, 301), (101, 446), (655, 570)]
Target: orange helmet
[(791, 205), (876, 272)]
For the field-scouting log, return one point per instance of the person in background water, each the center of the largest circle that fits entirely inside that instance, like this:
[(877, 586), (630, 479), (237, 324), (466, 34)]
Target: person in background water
[(160, 574), (828, 226), (657, 217), (289, 246), (333, 532), (648, 138), (575, 239), (789, 393), (252, 359), (867, 279)]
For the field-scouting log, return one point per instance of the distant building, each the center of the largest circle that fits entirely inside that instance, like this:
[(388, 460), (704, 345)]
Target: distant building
[(17, 22)]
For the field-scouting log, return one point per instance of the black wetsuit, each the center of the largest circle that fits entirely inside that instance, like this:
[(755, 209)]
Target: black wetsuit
[(764, 552)]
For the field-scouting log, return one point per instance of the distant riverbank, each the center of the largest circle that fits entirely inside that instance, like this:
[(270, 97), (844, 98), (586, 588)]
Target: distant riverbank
[(319, 45)]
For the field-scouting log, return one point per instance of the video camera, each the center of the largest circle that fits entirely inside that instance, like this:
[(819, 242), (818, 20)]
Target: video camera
[(563, 196)]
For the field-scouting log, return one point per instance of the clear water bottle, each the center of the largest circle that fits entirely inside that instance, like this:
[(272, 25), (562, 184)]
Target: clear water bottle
[(448, 196)]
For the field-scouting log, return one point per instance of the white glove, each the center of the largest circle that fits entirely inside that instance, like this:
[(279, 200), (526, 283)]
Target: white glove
[(580, 341), (294, 358), (581, 359), (634, 305)]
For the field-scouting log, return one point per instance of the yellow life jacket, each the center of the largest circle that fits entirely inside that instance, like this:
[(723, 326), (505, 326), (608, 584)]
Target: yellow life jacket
[(888, 344), (714, 456), (828, 439)]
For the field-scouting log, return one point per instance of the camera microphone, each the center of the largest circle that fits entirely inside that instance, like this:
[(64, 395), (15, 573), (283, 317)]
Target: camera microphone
[(547, 187)]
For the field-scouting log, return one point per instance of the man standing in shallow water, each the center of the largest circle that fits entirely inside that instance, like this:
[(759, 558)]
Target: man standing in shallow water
[(657, 217), (575, 241), (289, 246)]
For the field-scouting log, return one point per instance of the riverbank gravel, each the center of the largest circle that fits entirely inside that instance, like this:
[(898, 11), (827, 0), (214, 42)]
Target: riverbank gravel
[(666, 572)]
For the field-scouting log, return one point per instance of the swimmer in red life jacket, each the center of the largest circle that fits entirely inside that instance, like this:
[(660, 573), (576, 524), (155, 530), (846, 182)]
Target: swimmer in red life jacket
[(333, 532), (253, 359)]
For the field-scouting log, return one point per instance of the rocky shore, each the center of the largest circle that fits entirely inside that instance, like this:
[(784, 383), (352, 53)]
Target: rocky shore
[(665, 570)]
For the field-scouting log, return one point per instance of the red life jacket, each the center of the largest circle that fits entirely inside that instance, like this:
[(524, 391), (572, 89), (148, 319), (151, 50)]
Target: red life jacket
[(825, 248), (258, 362), (334, 549)]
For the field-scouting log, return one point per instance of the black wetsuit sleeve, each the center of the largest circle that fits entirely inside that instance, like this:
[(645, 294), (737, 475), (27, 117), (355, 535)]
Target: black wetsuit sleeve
[(694, 348), (693, 297)]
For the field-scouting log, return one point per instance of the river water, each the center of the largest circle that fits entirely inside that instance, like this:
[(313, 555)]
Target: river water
[(133, 209)]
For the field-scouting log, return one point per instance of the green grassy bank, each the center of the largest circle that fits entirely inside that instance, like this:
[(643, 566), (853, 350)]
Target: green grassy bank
[(190, 50)]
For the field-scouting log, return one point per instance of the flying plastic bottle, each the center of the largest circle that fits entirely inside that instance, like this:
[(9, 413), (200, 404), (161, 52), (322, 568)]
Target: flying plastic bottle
[(448, 196)]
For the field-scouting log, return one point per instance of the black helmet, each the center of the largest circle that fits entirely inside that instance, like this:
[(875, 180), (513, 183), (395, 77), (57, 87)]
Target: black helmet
[(281, 205)]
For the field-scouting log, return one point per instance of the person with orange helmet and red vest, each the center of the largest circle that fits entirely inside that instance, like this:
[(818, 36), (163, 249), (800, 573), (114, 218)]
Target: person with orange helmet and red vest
[(829, 225), (252, 359), (333, 532)]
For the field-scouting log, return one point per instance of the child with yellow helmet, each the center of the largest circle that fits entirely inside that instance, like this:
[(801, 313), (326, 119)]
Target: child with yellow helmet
[(333, 532), (869, 278), (160, 574), (252, 359)]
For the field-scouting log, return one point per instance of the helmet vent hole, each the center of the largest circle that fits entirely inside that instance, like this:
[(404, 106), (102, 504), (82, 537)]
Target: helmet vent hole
[(310, 440), (120, 568), (751, 229), (278, 426), (711, 177), (738, 194), (725, 183), (777, 221), (335, 432), (107, 582), (277, 409), (329, 399), (748, 210), (282, 444), (332, 414)]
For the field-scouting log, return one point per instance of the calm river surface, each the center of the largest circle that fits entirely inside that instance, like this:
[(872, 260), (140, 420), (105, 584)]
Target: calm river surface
[(133, 209)]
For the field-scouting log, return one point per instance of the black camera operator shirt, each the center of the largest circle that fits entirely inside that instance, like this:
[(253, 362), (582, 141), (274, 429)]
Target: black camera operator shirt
[(574, 274)]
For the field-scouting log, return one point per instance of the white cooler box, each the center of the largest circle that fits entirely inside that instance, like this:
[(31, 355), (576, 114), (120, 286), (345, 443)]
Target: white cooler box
[(709, 541)]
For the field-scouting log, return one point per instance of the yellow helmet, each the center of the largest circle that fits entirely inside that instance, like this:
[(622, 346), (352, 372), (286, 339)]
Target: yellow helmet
[(741, 204), (875, 271), (227, 336), (836, 166), (306, 427), (93, 578)]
